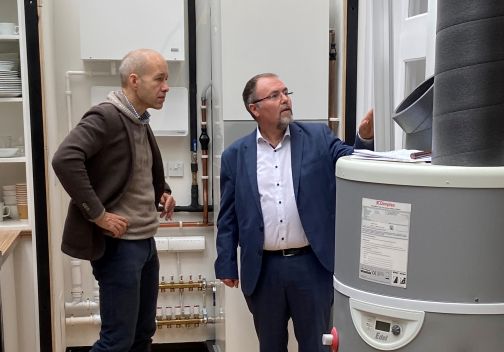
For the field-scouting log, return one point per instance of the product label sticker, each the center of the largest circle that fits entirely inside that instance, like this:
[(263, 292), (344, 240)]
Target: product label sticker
[(384, 242)]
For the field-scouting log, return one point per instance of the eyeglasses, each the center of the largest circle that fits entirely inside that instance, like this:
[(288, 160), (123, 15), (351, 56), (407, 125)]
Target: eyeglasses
[(273, 96)]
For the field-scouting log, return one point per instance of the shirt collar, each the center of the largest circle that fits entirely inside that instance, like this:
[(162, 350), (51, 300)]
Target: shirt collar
[(144, 118), (260, 138)]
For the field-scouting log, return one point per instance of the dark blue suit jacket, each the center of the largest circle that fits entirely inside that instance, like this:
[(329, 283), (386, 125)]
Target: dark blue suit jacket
[(314, 150)]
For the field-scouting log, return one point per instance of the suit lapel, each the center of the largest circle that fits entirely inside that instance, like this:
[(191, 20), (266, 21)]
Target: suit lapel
[(249, 157), (297, 141)]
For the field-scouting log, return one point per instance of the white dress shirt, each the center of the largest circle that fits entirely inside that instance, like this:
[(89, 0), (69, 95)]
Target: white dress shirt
[(282, 225)]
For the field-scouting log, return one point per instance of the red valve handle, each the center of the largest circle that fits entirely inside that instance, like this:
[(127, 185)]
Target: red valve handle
[(335, 341)]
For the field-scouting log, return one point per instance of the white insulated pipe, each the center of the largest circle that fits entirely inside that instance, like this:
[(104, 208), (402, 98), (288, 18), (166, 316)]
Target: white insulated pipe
[(96, 292), (76, 281), (81, 308), (68, 90), (78, 305), (92, 319)]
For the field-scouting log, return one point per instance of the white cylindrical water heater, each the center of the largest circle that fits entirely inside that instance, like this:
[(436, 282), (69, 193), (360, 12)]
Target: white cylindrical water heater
[(418, 257)]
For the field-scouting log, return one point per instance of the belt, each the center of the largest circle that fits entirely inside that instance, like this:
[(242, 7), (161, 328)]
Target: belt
[(289, 252)]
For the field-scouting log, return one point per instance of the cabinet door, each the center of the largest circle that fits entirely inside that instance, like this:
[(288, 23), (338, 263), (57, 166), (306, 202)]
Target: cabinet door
[(143, 34)]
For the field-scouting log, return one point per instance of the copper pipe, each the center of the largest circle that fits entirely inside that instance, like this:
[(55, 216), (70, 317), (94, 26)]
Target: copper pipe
[(182, 285), (204, 141), (204, 180), (333, 121), (188, 321)]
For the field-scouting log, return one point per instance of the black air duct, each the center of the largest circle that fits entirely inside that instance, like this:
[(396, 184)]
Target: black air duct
[(414, 116), (468, 116)]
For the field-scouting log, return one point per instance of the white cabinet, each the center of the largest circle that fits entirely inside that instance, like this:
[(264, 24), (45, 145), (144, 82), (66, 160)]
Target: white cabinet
[(267, 36), (126, 25), (15, 156)]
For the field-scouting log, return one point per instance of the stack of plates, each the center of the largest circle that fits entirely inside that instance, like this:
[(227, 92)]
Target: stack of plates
[(22, 200), (10, 80)]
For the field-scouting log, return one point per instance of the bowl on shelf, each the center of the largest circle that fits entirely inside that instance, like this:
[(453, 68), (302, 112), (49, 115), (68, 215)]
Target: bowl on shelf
[(9, 193), (10, 200), (8, 152)]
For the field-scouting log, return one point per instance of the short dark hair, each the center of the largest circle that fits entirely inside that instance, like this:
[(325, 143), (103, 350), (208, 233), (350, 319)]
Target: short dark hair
[(250, 89)]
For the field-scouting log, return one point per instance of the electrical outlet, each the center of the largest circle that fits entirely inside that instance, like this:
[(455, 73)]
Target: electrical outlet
[(175, 168), (186, 243)]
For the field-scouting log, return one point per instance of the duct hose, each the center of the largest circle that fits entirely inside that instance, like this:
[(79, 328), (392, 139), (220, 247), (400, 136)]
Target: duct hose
[(468, 105)]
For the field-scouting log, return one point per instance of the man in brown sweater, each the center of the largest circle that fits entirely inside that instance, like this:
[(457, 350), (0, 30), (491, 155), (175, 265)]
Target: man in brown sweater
[(111, 167)]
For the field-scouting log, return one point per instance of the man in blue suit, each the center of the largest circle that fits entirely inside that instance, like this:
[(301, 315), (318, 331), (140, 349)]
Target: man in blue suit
[(278, 204)]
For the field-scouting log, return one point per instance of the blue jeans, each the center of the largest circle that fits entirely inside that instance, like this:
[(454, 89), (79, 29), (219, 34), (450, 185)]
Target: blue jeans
[(128, 275)]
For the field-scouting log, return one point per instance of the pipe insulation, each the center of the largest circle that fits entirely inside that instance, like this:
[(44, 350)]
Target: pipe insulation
[(468, 106), (77, 291)]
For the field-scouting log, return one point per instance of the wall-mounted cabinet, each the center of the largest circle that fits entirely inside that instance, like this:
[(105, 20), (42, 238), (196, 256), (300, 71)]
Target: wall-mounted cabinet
[(126, 25), (295, 47)]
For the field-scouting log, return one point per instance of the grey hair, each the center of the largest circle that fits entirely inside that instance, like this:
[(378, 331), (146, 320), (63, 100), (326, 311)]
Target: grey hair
[(134, 62), (249, 92)]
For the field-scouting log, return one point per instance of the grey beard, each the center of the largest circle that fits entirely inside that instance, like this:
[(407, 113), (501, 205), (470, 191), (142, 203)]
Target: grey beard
[(284, 122)]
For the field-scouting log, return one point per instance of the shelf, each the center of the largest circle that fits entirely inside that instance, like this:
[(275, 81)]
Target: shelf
[(20, 159), (11, 100), (9, 37), (9, 224)]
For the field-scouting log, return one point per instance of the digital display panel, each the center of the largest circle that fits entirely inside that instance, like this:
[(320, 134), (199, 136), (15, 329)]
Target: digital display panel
[(382, 326)]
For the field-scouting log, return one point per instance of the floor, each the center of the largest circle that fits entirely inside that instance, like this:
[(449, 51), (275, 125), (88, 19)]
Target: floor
[(165, 347)]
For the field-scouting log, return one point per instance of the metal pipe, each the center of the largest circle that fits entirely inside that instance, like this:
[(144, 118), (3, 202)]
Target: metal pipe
[(185, 321), (201, 284), (194, 207), (333, 120), (182, 224), (95, 319), (182, 285), (204, 141)]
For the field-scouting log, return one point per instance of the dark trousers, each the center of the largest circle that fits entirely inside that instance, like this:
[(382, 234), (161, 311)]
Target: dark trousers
[(296, 287), (128, 275)]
